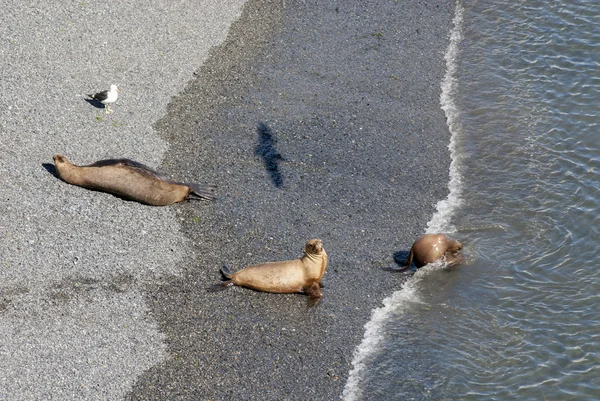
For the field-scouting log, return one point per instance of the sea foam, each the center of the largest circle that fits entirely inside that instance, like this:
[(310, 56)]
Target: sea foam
[(440, 222), (373, 336)]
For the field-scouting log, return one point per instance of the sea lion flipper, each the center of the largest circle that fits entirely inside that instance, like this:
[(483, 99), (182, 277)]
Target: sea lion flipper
[(128, 163), (125, 162), (314, 293), (142, 168), (106, 162), (409, 260), (402, 269), (133, 163), (198, 191), (226, 271)]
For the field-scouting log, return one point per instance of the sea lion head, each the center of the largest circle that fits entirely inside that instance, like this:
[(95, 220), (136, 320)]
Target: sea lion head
[(314, 246), (59, 159), (453, 245), (63, 166)]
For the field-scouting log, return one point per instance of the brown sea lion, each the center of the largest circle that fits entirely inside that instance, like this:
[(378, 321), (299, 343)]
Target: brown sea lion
[(300, 275), (130, 180), (432, 247)]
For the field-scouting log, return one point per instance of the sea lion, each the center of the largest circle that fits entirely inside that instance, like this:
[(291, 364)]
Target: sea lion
[(130, 180), (432, 247), (300, 275)]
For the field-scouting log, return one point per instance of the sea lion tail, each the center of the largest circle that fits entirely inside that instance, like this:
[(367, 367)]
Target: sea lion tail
[(197, 191), (409, 260), (226, 272)]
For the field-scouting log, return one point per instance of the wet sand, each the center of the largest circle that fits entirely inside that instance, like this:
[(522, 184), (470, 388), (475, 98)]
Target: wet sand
[(315, 121)]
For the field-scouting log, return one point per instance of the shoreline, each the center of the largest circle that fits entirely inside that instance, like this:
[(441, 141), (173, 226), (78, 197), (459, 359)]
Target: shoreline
[(352, 104)]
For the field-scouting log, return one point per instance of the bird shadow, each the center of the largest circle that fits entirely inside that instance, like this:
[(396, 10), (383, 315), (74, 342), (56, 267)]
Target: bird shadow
[(266, 149), (95, 103), (50, 168)]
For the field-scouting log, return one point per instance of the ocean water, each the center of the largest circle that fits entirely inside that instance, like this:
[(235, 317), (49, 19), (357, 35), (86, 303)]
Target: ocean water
[(520, 319)]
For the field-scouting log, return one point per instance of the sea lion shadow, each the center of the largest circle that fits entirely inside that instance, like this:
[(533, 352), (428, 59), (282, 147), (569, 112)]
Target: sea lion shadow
[(400, 259), (266, 149), (50, 168), (95, 103)]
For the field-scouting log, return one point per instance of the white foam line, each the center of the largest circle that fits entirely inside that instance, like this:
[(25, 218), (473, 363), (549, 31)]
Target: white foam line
[(373, 335), (440, 222)]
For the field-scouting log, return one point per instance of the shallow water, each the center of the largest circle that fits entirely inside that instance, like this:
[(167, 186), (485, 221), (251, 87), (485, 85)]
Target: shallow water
[(519, 319)]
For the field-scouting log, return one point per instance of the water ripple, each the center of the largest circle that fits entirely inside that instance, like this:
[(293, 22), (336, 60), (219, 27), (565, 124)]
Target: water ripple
[(519, 321)]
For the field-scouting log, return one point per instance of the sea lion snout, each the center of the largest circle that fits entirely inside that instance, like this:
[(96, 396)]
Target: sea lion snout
[(58, 158)]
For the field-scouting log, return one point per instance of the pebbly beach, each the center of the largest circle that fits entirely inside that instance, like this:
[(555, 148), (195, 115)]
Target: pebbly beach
[(313, 119)]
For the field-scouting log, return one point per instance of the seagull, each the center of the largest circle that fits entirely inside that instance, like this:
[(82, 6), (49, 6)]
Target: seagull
[(107, 97)]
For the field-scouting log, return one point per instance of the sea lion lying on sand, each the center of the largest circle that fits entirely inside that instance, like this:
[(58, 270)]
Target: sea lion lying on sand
[(300, 275), (433, 247), (130, 180)]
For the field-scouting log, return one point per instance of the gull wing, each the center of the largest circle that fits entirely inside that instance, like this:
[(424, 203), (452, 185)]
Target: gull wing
[(100, 96)]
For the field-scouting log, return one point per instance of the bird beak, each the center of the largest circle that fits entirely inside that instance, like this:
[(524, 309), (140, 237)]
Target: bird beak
[(118, 90)]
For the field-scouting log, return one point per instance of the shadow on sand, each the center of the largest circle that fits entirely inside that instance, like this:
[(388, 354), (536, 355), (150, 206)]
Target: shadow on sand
[(94, 103), (50, 168), (267, 151)]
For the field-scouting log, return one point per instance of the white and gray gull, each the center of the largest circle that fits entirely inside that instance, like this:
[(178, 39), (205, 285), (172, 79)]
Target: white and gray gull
[(107, 97)]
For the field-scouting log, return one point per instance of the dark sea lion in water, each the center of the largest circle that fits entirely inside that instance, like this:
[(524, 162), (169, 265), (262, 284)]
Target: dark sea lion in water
[(130, 180), (433, 247), (300, 275)]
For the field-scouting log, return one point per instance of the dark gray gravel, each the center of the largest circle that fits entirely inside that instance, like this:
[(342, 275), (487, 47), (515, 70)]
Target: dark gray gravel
[(316, 120)]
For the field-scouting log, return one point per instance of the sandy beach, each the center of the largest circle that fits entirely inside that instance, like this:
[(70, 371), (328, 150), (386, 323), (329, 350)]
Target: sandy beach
[(345, 99)]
